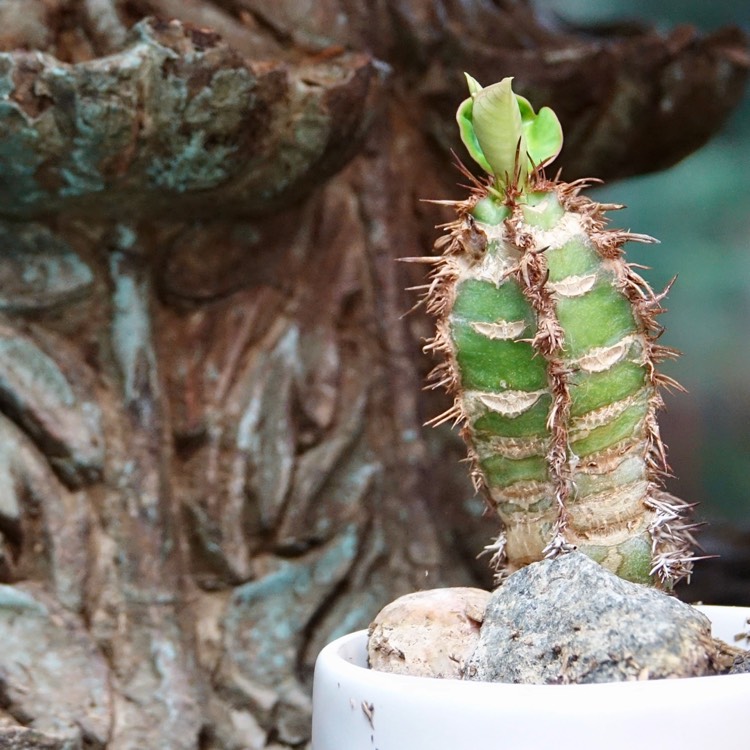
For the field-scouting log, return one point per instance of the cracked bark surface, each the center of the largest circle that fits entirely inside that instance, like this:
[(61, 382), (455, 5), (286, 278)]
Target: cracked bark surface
[(212, 457)]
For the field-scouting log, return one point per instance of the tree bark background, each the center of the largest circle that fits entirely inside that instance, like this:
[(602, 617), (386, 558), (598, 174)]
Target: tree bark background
[(212, 456)]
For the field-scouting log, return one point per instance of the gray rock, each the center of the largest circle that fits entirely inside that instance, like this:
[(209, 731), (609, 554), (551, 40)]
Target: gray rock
[(569, 620), (741, 664)]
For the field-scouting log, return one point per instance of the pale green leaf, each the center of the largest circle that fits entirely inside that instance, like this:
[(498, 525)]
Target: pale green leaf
[(474, 86), (544, 137), (468, 136), (499, 130), (542, 132)]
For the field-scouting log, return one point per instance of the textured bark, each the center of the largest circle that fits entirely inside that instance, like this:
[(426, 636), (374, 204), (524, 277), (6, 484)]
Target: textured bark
[(212, 457)]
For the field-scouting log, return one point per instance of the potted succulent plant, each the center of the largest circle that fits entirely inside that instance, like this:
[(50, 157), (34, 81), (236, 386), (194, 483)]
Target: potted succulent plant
[(550, 349)]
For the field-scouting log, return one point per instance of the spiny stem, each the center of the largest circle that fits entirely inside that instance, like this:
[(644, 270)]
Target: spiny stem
[(549, 341)]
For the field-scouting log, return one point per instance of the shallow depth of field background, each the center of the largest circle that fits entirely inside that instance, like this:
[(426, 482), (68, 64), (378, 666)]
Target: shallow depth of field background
[(700, 211)]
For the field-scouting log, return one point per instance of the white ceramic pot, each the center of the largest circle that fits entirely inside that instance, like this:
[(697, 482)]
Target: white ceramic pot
[(355, 708)]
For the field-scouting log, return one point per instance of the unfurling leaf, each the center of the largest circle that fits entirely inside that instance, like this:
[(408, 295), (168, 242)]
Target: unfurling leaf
[(504, 135)]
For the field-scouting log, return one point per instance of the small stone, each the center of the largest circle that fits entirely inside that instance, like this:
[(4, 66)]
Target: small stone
[(427, 633), (569, 620)]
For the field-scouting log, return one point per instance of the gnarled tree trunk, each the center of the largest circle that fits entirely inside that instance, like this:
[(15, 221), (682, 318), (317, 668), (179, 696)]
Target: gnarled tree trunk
[(213, 459)]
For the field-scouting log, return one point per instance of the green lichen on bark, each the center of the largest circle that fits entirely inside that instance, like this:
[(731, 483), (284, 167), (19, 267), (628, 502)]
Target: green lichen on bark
[(550, 345)]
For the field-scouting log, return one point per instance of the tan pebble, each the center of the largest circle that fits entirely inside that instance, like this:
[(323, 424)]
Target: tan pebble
[(427, 633)]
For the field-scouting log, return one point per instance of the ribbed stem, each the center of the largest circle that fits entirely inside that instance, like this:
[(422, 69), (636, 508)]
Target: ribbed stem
[(549, 339)]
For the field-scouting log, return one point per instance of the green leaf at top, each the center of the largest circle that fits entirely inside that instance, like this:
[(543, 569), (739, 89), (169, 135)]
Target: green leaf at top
[(503, 134), (468, 136), (542, 132), (497, 122), (474, 86)]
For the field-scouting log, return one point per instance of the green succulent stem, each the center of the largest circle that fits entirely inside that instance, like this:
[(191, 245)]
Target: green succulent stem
[(550, 345)]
